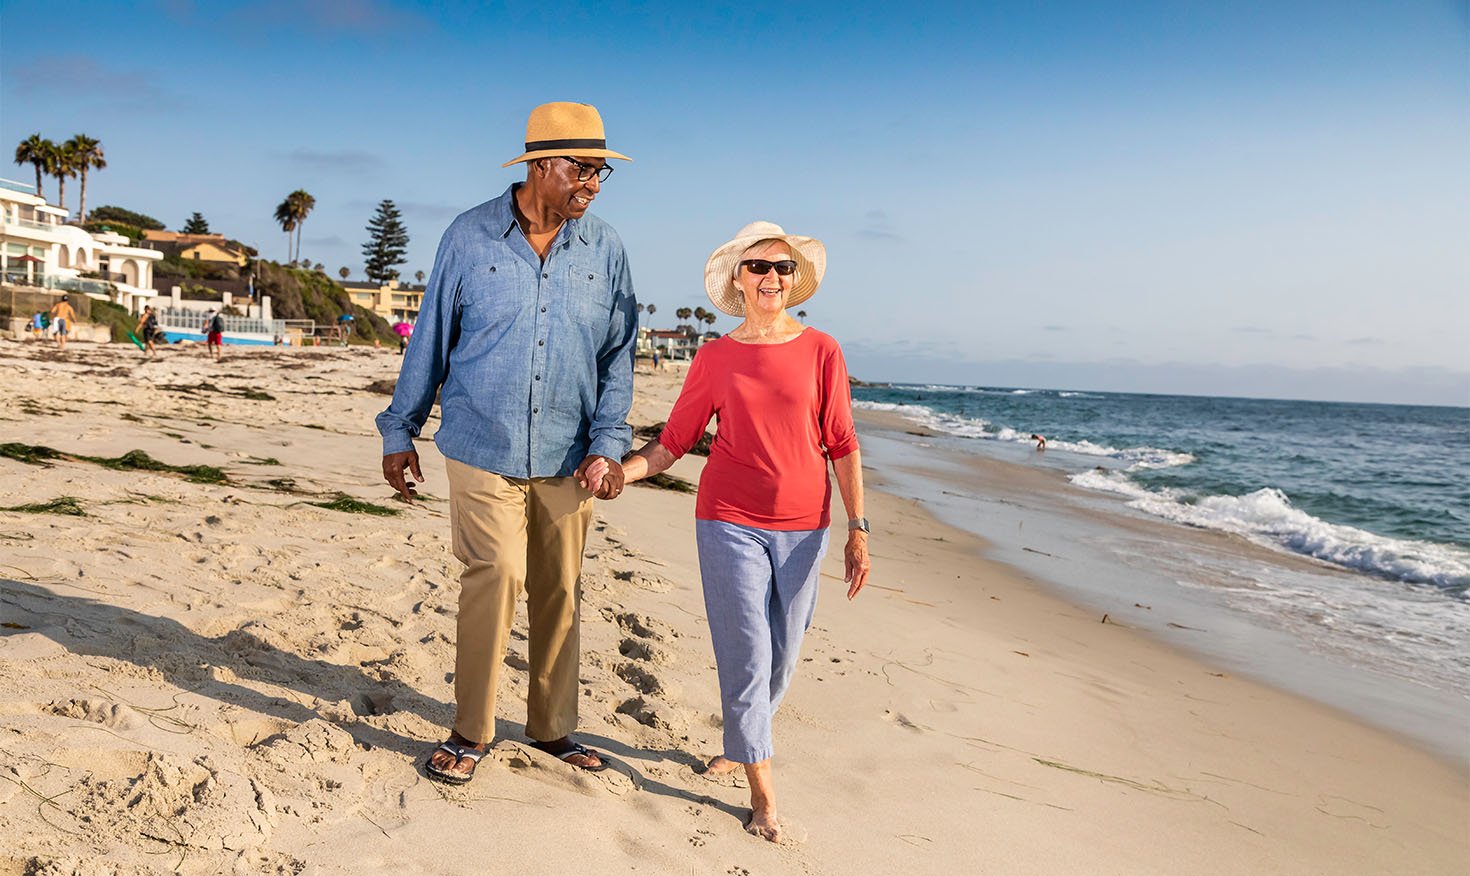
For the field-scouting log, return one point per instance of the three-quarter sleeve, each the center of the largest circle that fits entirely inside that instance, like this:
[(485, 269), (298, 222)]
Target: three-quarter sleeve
[(691, 412), (839, 435)]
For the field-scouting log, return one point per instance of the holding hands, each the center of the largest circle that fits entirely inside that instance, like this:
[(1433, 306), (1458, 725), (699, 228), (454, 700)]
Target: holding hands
[(602, 476)]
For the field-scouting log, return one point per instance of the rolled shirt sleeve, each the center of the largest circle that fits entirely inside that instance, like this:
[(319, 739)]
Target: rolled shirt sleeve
[(839, 434), (426, 362), (691, 413)]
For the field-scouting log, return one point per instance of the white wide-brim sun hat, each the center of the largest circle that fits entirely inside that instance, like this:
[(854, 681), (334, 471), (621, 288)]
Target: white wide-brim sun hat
[(719, 272)]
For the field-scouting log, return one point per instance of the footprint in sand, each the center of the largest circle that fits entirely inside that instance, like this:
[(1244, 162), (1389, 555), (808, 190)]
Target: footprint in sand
[(644, 581), (636, 649), (640, 679)]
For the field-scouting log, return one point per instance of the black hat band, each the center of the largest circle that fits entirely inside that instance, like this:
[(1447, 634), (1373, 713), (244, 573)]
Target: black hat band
[(558, 145)]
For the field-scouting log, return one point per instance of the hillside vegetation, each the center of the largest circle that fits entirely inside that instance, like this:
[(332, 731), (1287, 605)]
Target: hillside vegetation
[(303, 294)]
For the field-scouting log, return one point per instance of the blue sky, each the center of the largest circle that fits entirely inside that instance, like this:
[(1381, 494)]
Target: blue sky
[(1264, 199)]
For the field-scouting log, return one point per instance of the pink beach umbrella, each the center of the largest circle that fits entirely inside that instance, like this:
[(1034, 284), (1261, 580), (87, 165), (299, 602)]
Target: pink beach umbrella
[(403, 328)]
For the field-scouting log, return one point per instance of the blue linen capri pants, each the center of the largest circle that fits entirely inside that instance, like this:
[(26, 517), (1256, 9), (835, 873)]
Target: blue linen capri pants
[(760, 592)]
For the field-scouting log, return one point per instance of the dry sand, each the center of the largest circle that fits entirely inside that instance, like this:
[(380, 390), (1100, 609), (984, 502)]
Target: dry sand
[(226, 678)]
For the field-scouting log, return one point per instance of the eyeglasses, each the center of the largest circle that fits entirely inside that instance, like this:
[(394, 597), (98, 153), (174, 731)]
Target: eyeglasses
[(588, 171), (785, 267)]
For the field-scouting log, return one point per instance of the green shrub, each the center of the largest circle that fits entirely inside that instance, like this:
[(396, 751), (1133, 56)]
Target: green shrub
[(111, 214)]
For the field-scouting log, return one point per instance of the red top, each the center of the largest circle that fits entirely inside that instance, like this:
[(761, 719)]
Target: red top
[(783, 410)]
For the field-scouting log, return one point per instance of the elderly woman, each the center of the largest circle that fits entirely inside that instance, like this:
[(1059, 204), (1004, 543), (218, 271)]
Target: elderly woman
[(779, 391)]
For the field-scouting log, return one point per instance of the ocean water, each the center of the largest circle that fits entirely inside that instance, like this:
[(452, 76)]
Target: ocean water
[(1375, 498)]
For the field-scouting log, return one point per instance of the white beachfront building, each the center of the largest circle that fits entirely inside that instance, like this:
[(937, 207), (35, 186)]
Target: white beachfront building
[(38, 250)]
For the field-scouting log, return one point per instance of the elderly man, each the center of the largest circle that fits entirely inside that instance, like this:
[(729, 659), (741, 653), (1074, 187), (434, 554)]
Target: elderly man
[(526, 331)]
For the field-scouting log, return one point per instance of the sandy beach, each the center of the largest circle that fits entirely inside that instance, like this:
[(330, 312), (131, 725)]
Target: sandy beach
[(240, 668)]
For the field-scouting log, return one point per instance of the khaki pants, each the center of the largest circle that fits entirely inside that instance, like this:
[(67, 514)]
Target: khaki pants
[(509, 533)]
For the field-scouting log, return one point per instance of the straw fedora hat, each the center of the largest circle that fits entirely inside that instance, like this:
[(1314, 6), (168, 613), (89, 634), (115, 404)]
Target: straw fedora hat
[(563, 128), (719, 272)]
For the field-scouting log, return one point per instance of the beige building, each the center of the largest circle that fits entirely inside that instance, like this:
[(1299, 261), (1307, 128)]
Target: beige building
[(392, 302), (199, 247)]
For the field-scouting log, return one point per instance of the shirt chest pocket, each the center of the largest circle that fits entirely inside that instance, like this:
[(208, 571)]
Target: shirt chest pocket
[(491, 294), (588, 297)]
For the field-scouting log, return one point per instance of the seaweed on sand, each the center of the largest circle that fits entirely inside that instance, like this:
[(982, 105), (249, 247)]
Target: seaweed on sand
[(62, 505), (133, 460), (137, 460), (31, 454), (349, 505), (663, 481)]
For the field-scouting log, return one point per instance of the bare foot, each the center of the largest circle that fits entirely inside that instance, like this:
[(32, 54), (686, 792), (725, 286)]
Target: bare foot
[(719, 765), (763, 823)]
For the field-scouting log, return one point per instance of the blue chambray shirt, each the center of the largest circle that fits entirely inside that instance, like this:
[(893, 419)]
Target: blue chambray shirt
[(535, 360)]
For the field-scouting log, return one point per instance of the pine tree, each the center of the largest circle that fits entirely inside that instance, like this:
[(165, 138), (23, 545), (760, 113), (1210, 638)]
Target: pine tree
[(387, 244), (197, 224)]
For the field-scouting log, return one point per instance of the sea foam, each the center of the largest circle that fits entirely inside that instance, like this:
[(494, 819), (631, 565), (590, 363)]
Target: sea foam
[(1268, 517), (974, 427)]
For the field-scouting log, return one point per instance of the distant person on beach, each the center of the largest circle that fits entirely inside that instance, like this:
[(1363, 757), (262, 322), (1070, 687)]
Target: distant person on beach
[(526, 331), (761, 516), (38, 325), (1040, 441), (214, 333), (147, 330), (62, 317), (655, 360)]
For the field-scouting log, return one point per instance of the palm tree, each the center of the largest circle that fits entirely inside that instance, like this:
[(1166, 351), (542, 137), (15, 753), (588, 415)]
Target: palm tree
[(709, 317), (39, 152), (344, 272), (640, 314), (87, 152), (651, 309), (63, 165), (419, 276), (286, 218), (301, 206), (683, 313), (801, 314)]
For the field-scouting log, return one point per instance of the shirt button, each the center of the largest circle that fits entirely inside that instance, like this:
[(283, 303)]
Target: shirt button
[(589, 276), (543, 308), (545, 276), (541, 343), (538, 377), (535, 410)]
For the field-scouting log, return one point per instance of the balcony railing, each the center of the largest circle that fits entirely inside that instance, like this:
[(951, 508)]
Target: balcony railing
[(58, 284), (31, 224), (12, 185), (192, 321)]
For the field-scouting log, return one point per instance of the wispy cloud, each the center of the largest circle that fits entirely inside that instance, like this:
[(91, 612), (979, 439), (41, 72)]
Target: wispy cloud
[(876, 227), (1303, 337), (1056, 328), (1365, 341), (1251, 330), (76, 78), (353, 162), (324, 18), (329, 240)]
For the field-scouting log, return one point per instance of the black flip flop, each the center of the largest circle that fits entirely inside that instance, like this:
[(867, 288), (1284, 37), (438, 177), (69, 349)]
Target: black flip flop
[(574, 748), (459, 752)]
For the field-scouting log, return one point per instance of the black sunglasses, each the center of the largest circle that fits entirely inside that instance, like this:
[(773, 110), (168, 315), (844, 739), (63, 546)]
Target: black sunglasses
[(785, 267), (588, 171)]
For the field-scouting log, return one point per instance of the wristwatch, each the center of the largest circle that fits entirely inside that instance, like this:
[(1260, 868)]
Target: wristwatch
[(858, 523)]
